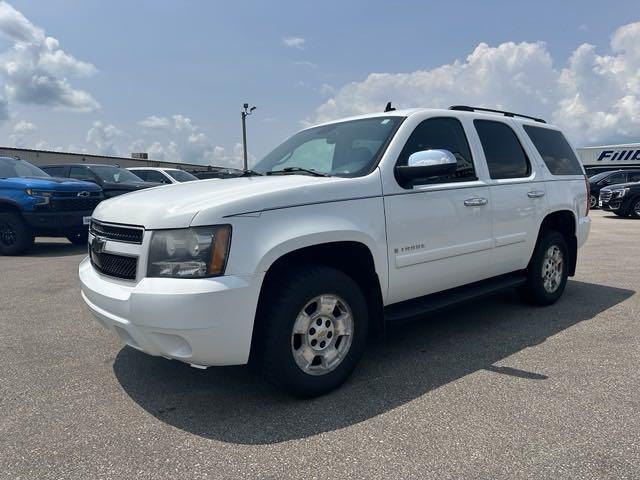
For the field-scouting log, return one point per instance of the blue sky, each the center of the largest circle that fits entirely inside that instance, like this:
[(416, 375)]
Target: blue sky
[(189, 65)]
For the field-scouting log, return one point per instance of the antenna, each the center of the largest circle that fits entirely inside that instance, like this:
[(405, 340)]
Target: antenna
[(389, 108)]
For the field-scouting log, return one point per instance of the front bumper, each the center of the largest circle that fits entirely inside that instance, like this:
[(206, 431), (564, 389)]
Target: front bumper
[(58, 223), (202, 322)]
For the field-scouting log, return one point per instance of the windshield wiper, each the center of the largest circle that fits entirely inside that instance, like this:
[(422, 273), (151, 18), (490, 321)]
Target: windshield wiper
[(298, 170), (247, 173)]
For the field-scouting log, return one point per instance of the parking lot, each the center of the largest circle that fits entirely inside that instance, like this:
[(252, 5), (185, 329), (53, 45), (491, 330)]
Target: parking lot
[(494, 389)]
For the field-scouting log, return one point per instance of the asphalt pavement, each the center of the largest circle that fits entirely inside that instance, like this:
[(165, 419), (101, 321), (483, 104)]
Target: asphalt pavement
[(490, 390)]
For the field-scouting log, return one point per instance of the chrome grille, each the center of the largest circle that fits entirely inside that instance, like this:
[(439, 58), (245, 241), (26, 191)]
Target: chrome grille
[(117, 234), (118, 266), (605, 195)]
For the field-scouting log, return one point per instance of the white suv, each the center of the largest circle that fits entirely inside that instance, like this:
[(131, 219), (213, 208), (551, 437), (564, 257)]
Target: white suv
[(342, 228), (163, 175)]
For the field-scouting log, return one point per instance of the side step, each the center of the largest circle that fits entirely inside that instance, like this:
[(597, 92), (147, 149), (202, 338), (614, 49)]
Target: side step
[(417, 307)]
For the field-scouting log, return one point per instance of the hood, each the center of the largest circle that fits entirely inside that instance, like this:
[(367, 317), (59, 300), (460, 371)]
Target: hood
[(207, 202), (53, 184)]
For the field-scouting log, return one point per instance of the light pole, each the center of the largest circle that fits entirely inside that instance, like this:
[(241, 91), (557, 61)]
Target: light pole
[(245, 113)]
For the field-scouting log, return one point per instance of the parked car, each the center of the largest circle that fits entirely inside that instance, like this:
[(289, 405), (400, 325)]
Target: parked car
[(346, 228), (604, 179), (162, 175), (32, 203), (623, 199), (113, 180)]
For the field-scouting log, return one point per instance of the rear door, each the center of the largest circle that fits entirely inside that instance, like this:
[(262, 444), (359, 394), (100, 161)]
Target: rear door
[(517, 195)]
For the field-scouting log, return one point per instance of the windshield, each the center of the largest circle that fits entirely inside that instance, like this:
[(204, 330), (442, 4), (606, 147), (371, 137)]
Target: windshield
[(346, 149), (181, 175), (115, 174), (13, 167)]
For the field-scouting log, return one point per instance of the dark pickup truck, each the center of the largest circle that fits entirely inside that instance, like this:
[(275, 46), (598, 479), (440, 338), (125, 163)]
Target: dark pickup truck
[(623, 199), (32, 203)]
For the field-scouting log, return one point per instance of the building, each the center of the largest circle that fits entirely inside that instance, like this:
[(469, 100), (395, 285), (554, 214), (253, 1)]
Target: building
[(610, 157), (46, 157)]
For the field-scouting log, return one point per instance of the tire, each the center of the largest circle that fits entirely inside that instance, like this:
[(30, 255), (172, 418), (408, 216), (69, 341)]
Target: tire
[(593, 202), (305, 363), (547, 272), (15, 235), (619, 213), (79, 238), (635, 208)]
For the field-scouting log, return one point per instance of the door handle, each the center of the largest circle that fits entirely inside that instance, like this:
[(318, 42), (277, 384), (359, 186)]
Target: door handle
[(475, 202), (536, 193)]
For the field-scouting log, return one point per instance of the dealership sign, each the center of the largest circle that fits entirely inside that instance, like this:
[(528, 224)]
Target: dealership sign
[(619, 155)]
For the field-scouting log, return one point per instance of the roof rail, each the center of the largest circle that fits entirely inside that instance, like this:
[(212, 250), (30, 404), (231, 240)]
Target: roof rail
[(465, 108)]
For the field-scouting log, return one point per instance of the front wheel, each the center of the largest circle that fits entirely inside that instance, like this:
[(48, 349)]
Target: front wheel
[(593, 202), (547, 272), (312, 330), (15, 235)]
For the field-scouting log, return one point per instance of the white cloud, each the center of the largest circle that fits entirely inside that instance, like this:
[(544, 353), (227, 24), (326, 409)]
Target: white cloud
[(21, 135), (154, 122), (104, 138), (306, 63), (35, 68), (183, 141), (595, 98), (294, 42)]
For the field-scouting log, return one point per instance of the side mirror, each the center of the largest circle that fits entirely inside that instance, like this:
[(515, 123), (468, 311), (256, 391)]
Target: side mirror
[(426, 164)]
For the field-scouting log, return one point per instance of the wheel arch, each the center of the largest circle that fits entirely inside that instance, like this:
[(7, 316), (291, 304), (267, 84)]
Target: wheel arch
[(565, 222), (7, 206), (353, 257)]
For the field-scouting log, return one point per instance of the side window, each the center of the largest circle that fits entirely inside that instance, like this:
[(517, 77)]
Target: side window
[(140, 173), (55, 171), (505, 156), (634, 177), (554, 150), (444, 133), (619, 177), (153, 176), (80, 173)]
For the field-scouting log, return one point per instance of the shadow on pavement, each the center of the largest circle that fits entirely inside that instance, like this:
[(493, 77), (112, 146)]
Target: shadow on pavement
[(232, 404)]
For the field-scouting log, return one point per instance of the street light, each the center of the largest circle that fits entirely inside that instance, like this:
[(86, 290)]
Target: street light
[(245, 113)]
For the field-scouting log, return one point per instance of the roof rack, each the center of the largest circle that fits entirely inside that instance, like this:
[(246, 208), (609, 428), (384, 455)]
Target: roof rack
[(465, 108)]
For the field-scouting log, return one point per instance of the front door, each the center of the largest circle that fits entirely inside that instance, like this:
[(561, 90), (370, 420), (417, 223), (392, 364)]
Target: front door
[(439, 231)]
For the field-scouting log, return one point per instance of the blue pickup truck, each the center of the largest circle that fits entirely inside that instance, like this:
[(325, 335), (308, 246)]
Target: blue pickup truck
[(32, 203)]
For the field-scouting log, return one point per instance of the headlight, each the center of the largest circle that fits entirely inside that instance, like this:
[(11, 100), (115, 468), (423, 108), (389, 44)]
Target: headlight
[(189, 253), (619, 192), (43, 197)]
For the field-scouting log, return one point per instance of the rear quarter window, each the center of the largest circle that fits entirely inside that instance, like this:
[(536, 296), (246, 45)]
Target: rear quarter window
[(554, 150)]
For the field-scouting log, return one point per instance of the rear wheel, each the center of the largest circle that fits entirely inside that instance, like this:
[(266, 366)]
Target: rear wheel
[(635, 208), (312, 330), (547, 272), (15, 235)]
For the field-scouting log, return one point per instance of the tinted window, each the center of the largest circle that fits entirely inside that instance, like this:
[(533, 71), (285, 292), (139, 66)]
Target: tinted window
[(505, 156), (13, 167), (153, 176), (345, 149), (80, 173), (634, 177), (140, 173), (619, 177), (114, 174), (554, 150), (442, 133), (181, 175), (55, 171)]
